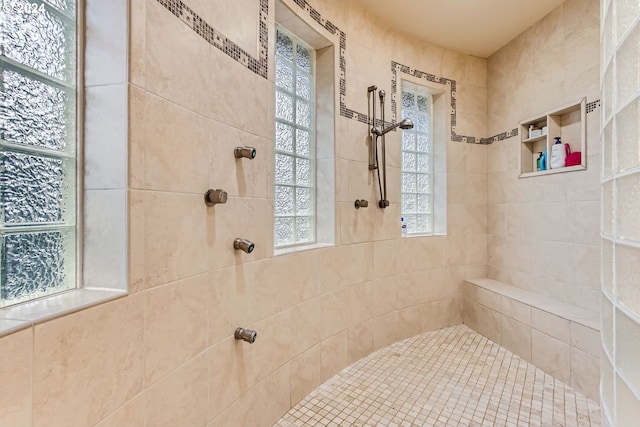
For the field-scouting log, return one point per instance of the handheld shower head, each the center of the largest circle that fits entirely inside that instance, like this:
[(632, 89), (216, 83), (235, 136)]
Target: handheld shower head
[(404, 124)]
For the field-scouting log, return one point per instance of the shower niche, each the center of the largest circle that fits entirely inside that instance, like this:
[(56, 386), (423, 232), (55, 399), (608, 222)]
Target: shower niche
[(538, 134)]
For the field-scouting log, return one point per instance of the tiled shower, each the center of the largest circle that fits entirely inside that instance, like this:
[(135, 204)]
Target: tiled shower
[(200, 81)]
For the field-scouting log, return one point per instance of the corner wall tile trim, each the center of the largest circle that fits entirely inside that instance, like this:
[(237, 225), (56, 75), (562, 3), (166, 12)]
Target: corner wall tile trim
[(260, 65)]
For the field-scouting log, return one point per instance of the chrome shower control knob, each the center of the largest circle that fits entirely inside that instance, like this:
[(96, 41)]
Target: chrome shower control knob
[(212, 197), (245, 335), (246, 152)]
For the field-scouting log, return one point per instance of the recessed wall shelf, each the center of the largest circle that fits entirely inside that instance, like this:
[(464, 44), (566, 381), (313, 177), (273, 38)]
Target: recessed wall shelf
[(567, 122)]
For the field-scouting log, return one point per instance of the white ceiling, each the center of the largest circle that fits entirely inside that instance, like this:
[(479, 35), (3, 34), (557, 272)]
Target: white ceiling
[(475, 27)]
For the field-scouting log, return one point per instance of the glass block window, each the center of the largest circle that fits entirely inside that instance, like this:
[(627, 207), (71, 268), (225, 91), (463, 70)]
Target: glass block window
[(37, 149), (417, 161), (294, 142)]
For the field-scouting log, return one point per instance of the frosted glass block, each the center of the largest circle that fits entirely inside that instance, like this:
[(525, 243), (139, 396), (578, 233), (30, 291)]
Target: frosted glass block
[(628, 277), (37, 114), (283, 233), (284, 169), (408, 162), (284, 106), (627, 349), (423, 203), (609, 33), (67, 6), (628, 137), (42, 41), (607, 149), (409, 203), (607, 325), (304, 202), (283, 200), (628, 207), (627, 404), (284, 46), (303, 143), (423, 224), (36, 189), (608, 94), (626, 12), (423, 183), (408, 101), (303, 230), (408, 141), (36, 264), (607, 207), (606, 384), (284, 74), (409, 183), (303, 85), (423, 143), (606, 266), (424, 165), (628, 67), (303, 113), (411, 223), (303, 58), (422, 124), (423, 104), (303, 172), (284, 137)]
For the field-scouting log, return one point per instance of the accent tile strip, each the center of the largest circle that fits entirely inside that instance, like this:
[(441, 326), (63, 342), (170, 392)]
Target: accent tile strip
[(260, 65)]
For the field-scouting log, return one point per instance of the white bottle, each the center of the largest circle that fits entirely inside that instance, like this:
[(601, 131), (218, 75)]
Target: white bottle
[(403, 227)]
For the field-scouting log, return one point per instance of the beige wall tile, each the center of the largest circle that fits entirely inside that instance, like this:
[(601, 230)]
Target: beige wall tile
[(628, 405), (408, 322), (334, 354), (231, 294), (551, 355), (135, 241), (360, 302), (232, 371), (410, 289), (385, 258), (175, 241), (131, 414), (170, 69), (306, 373), (585, 373), (440, 314), (181, 398), (262, 405), (273, 345), (360, 341), (516, 310), (306, 327), (551, 324), (16, 351), (489, 299), (175, 325), (335, 313), (384, 330), (585, 339), (516, 337), (489, 323), (88, 364), (384, 295)]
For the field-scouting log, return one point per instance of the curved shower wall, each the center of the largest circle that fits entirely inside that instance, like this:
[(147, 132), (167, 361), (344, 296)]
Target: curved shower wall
[(165, 355)]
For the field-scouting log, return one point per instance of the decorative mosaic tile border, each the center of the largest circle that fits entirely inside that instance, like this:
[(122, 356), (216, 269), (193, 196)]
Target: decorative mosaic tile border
[(260, 65)]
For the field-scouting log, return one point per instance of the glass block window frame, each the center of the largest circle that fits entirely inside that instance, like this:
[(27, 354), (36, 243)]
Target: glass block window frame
[(38, 123), (417, 161), (294, 177)]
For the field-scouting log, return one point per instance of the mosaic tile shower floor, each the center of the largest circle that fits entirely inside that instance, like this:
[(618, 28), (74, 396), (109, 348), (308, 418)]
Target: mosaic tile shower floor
[(453, 377)]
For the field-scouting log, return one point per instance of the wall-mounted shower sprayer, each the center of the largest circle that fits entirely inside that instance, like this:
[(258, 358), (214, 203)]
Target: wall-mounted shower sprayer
[(243, 245), (245, 335), (374, 134), (246, 152), (362, 203), (212, 197)]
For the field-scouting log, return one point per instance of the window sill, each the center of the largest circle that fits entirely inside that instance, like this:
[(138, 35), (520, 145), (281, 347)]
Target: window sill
[(424, 235), (293, 249), (22, 316)]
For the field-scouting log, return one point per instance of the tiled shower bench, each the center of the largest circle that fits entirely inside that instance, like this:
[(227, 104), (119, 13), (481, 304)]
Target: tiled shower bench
[(559, 338)]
